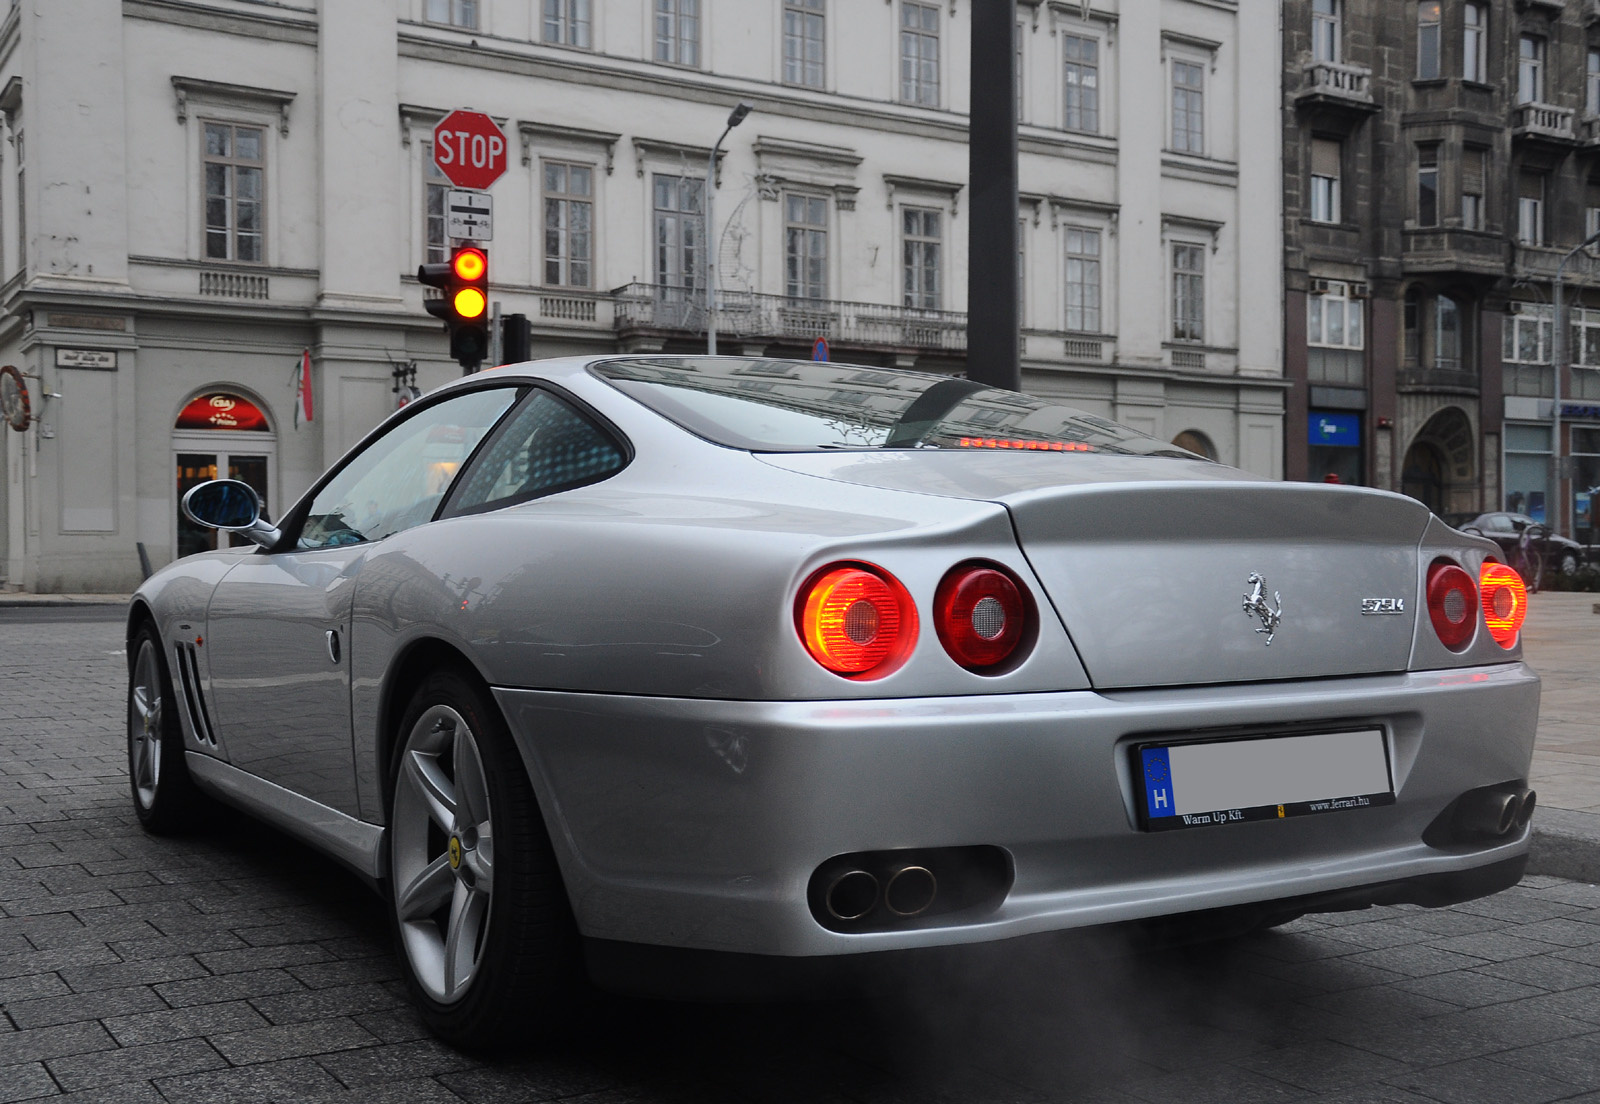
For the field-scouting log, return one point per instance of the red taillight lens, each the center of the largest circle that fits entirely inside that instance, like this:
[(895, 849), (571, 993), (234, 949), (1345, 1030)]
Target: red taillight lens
[(980, 615), (857, 620), (1452, 605), (1505, 602)]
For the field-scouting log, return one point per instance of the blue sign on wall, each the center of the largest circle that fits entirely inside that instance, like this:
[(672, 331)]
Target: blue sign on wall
[(1334, 429)]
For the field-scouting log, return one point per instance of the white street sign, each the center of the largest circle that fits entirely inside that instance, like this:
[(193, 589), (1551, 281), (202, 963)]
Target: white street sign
[(469, 215)]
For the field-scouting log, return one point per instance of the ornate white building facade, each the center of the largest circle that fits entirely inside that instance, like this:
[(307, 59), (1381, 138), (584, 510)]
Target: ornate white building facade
[(195, 192)]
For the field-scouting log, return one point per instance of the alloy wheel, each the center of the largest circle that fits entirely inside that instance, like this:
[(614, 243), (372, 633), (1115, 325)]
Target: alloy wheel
[(144, 724), (442, 852)]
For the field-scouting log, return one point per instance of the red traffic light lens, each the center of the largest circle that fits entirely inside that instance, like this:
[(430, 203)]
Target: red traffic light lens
[(470, 264), (469, 303)]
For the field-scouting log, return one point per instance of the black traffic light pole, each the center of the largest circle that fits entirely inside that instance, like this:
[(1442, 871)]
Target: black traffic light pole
[(994, 322)]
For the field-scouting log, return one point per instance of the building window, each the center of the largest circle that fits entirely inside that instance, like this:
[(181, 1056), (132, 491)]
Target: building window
[(805, 247), (1591, 218), (1527, 475), (679, 221), (234, 176), (1188, 292), (1411, 326), (1530, 209), (1530, 69), (1081, 79), (1188, 106), (919, 53), (1591, 86), (436, 188), (678, 31), (1472, 184), (567, 22), (1446, 333), (1585, 337), (568, 223), (1526, 335), (1474, 43), (1083, 280), (1427, 185), (1325, 157), (1427, 39), (1325, 30), (1022, 272), (1333, 318), (802, 42), (22, 205), (922, 235), (457, 13)]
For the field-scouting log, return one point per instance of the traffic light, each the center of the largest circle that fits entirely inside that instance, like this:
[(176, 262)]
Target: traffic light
[(464, 279)]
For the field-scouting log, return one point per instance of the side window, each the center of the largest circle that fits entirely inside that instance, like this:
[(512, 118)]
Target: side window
[(397, 481), (545, 446)]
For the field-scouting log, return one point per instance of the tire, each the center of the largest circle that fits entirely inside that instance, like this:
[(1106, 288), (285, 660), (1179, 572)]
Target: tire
[(1569, 563), (164, 795), (482, 925)]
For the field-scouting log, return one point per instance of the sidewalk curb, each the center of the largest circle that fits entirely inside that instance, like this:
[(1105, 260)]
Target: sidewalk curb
[(58, 601), (1566, 844)]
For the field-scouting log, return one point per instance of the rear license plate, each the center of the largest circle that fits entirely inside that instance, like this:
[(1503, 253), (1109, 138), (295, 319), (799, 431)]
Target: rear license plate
[(1197, 785)]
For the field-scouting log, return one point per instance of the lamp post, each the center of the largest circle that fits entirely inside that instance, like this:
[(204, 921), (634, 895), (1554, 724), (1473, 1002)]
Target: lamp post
[(1560, 351), (735, 117)]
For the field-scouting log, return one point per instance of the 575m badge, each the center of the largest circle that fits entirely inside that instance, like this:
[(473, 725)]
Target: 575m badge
[(1370, 606)]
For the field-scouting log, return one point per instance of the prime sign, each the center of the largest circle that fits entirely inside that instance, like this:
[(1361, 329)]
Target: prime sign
[(469, 148)]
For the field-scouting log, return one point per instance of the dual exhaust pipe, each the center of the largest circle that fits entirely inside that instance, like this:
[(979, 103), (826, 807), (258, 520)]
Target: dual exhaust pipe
[(908, 891), (1496, 812)]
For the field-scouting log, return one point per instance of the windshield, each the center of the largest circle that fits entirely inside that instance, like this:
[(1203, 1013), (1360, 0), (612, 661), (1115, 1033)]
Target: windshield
[(805, 406)]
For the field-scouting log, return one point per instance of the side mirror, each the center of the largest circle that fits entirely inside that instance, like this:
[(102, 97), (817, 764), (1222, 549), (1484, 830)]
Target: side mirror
[(231, 506)]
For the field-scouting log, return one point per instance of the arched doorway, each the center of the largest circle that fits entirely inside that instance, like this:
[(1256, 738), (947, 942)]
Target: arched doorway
[(1195, 441), (1441, 466), (219, 433), (1422, 476)]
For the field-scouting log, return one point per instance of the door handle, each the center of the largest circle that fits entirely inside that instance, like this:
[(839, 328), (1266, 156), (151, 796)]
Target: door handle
[(333, 644)]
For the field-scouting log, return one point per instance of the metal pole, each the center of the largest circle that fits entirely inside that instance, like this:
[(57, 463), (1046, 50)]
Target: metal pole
[(735, 117), (994, 323), (710, 246)]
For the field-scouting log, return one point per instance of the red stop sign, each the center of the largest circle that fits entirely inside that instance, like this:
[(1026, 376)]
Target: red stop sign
[(469, 148)]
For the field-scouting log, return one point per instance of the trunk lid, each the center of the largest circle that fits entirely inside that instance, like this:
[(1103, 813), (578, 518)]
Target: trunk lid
[(1148, 561)]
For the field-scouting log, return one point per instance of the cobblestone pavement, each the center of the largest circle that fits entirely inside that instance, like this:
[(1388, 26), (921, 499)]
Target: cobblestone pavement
[(238, 966)]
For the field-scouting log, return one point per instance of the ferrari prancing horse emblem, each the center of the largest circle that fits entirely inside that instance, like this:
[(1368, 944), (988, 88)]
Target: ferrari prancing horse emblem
[(1256, 602)]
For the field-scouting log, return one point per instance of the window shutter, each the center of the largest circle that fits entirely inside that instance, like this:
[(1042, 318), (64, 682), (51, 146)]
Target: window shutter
[(1325, 158)]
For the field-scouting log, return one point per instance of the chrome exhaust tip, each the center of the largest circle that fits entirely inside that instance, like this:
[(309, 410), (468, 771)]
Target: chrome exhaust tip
[(910, 891), (1526, 801), (851, 895), (1489, 812)]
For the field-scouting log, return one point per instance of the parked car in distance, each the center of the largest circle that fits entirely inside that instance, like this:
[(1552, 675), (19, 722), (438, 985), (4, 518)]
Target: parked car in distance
[(1506, 529), (678, 670)]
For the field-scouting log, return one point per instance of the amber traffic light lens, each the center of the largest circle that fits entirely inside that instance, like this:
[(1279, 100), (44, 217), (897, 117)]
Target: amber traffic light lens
[(470, 264), (469, 303)]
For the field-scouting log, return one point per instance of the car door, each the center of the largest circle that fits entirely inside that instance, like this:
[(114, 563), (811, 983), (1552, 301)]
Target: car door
[(278, 628)]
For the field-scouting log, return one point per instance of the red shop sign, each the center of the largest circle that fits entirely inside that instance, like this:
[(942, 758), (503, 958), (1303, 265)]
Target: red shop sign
[(220, 410)]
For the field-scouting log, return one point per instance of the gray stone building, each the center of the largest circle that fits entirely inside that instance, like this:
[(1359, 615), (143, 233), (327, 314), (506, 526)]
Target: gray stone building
[(1441, 160)]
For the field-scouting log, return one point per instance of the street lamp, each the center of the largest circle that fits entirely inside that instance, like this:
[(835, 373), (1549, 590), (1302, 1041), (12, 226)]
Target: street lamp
[(1560, 351), (735, 117)]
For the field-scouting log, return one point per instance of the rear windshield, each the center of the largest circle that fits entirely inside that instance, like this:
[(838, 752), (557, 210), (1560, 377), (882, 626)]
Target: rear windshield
[(805, 406)]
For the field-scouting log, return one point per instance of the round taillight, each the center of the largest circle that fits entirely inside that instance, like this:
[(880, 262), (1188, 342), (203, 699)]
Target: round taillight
[(1505, 602), (1452, 605), (857, 620), (980, 615)]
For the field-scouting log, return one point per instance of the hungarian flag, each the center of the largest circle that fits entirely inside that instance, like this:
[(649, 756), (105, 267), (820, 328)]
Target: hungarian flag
[(302, 388)]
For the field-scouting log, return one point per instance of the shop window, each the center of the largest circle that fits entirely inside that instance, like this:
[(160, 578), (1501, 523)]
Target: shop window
[(1527, 470)]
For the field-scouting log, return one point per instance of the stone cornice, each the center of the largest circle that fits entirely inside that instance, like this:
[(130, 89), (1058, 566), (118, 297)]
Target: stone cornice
[(279, 28)]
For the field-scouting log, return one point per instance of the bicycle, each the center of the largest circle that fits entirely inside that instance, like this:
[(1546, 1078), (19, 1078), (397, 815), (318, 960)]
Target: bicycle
[(1528, 560)]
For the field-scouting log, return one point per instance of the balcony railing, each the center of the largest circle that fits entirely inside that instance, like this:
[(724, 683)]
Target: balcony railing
[(1443, 377), (758, 317), (1539, 120), (1542, 261), (1337, 80)]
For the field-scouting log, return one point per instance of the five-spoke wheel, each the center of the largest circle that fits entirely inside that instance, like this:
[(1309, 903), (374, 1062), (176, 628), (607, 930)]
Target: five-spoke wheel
[(480, 915), (164, 796)]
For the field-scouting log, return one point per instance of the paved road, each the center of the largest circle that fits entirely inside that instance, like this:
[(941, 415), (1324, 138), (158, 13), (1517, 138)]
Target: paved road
[(241, 967)]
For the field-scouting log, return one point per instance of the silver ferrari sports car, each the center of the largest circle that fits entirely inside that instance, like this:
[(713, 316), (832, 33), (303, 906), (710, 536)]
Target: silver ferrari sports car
[(656, 670)]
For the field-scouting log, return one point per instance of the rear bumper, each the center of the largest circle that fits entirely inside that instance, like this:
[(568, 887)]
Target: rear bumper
[(697, 824)]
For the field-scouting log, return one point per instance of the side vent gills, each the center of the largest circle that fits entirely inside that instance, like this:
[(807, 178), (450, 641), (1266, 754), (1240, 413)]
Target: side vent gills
[(193, 697)]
